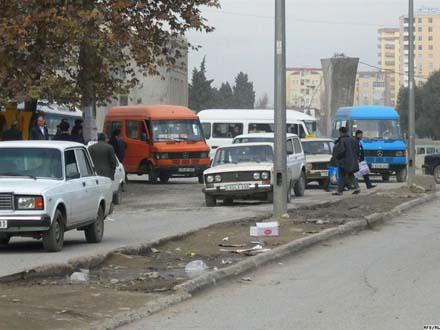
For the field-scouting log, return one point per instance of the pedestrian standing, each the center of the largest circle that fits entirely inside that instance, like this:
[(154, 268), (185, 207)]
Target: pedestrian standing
[(39, 131), (64, 134), (77, 131), (359, 136), (103, 157), (346, 156), (118, 144), (12, 134)]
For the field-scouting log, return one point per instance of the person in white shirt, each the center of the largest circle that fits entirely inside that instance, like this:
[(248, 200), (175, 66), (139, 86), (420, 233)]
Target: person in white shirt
[(39, 131)]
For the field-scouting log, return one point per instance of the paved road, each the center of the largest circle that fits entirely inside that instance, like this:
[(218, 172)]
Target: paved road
[(149, 212), (386, 278)]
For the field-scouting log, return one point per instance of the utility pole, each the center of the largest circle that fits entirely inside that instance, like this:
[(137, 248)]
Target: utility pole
[(280, 163), (412, 103)]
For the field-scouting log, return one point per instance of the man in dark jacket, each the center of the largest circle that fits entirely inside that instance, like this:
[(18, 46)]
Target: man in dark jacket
[(103, 157), (12, 134), (64, 134), (118, 144), (77, 131), (39, 131), (346, 156), (359, 136)]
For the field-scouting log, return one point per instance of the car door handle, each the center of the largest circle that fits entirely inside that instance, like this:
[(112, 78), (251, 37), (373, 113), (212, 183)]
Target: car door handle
[(97, 181), (84, 184)]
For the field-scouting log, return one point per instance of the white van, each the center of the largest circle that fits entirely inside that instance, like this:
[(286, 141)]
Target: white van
[(221, 126)]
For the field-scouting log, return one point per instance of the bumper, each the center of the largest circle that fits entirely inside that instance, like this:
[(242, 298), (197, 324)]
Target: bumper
[(19, 224), (317, 175), (188, 171), (253, 189)]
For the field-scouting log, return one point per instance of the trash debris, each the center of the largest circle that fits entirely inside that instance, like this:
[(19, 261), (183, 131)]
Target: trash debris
[(79, 277), (257, 249), (215, 269), (154, 250), (246, 279), (265, 229), (225, 239), (226, 262), (190, 254), (195, 268), (114, 281), (152, 275), (178, 249), (232, 245)]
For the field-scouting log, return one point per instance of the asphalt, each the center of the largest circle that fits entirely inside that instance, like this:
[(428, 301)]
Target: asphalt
[(148, 213), (384, 278)]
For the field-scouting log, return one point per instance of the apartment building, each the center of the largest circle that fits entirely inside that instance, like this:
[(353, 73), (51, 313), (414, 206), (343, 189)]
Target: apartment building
[(373, 87), (389, 59)]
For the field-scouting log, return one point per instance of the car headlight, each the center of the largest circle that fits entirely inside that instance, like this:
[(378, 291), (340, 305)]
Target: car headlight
[(209, 179), (218, 178), (257, 176), (309, 167), (29, 203), (265, 175), (401, 153)]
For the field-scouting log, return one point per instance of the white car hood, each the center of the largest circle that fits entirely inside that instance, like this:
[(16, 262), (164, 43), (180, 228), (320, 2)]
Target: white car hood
[(241, 167), (318, 158), (26, 186)]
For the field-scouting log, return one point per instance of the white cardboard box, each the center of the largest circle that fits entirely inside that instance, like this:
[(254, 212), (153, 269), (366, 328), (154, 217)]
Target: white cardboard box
[(265, 229)]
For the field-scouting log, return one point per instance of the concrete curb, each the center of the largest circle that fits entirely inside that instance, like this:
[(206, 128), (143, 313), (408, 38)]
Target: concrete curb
[(186, 290)]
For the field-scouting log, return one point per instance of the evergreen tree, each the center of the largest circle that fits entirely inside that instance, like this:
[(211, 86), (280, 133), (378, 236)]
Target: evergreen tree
[(201, 94), (244, 94), (225, 97), (263, 102)]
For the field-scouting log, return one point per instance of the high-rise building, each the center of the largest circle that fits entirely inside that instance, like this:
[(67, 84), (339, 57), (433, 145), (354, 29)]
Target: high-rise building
[(304, 87), (426, 44), (389, 59), (373, 87)]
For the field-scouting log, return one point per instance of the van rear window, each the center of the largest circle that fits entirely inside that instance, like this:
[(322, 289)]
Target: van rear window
[(227, 130)]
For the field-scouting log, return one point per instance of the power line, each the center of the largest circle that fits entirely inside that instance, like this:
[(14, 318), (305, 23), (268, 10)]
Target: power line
[(391, 71)]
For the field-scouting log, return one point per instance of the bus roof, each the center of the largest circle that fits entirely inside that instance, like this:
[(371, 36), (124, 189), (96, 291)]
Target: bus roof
[(155, 112), (246, 114), (368, 112), (55, 109)]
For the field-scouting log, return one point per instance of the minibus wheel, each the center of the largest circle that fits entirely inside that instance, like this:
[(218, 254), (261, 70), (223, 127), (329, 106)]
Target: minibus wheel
[(164, 178), (152, 174), (201, 180)]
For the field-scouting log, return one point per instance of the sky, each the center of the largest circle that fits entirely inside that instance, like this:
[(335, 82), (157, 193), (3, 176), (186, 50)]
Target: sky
[(243, 39)]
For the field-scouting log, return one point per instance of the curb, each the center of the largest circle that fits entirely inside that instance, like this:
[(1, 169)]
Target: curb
[(186, 290)]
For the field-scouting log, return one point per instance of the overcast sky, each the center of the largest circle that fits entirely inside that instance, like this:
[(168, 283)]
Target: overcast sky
[(243, 39)]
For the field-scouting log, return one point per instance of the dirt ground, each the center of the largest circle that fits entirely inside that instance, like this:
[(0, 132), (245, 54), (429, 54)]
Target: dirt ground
[(125, 282)]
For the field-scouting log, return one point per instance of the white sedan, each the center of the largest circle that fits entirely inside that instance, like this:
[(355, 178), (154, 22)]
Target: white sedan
[(49, 187)]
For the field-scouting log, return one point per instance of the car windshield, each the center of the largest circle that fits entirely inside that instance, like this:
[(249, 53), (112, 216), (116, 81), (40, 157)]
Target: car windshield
[(253, 139), (31, 162), (243, 154), (378, 129), (317, 147), (177, 130)]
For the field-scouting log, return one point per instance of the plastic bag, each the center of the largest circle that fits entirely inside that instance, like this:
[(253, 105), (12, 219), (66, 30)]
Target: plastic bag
[(195, 268), (363, 170), (334, 175)]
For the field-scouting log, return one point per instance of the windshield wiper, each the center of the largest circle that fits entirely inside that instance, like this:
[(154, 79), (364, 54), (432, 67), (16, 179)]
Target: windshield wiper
[(18, 175)]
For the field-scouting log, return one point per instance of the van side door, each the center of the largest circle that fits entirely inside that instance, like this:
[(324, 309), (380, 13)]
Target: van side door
[(90, 182), (291, 160), (138, 145), (300, 159)]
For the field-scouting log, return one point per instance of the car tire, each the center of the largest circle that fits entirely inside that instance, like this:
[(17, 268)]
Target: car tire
[(4, 239), (117, 197), (289, 192), (228, 201), (53, 240), (152, 174), (437, 174), (95, 231), (210, 201), (300, 185), (201, 179), (269, 197), (164, 178), (401, 175), (385, 177)]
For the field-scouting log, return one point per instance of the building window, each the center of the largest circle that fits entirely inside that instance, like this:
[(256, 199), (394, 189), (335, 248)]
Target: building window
[(420, 47), (420, 29), (430, 29), (420, 38), (430, 38), (431, 47), (420, 20), (430, 20)]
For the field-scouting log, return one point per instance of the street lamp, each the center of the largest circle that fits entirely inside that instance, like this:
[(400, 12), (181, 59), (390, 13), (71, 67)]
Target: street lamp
[(412, 105)]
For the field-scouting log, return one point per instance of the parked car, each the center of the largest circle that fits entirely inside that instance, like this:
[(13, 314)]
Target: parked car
[(49, 187), (162, 141), (318, 155), (245, 171), (432, 166)]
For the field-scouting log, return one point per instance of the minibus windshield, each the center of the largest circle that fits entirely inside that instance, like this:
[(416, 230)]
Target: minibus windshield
[(177, 130), (378, 129)]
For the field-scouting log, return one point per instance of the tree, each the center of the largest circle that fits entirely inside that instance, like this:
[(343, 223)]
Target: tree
[(262, 102), (244, 94), (225, 97), (90, 50), (201, 94)]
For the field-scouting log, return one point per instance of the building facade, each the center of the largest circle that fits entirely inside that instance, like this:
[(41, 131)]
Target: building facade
[(304, 87), (389, 59), (426, 44), (373, 87)]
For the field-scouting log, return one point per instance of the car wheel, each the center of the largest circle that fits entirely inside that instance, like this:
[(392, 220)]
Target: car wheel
[(164, 178), (152, 174), (95, 231), (53, 240), (385, 177), (300, 185), (401, 175), (228, 201), (117, 197), (210, 201), (289, 192), (4, 239), (437, 174), (201, 180)]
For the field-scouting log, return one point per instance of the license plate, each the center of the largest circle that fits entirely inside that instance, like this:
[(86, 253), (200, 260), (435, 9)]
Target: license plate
[(324, 173), (186, 170), (3, 224), (234, 187), (380, 166)]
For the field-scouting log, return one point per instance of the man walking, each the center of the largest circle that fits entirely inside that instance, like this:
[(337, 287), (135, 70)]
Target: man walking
[(103, 157), (118, 144), (39, 131), (359, 136), (77, 131), (346, 156), (12, 134)]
